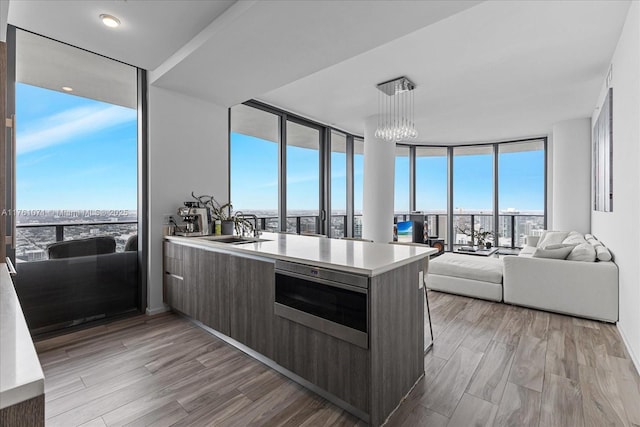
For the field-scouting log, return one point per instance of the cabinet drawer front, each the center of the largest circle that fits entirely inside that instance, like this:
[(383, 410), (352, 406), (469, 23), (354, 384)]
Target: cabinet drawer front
[(173, 266), (174, 291), (172, 250)]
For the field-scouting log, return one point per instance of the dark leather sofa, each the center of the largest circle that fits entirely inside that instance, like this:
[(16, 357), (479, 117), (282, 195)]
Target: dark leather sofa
[(70, 290)]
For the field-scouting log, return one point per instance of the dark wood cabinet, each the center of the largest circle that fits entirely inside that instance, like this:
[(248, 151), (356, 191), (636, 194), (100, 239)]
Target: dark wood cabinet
[(229, 293), (234, 294), (212, 281), (251, 291), (179, 284), (339, 367)]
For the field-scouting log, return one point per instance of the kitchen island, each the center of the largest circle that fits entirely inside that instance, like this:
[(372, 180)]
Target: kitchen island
[(343, 318)]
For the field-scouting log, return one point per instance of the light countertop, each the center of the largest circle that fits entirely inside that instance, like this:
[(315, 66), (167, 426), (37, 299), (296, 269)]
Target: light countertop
[(353, 256), (21, 376)]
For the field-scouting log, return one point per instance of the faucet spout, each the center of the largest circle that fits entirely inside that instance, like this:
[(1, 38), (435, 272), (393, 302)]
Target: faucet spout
[(256, 229)]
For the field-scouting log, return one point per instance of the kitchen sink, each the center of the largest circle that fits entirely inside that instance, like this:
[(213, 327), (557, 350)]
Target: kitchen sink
[(232, 240)]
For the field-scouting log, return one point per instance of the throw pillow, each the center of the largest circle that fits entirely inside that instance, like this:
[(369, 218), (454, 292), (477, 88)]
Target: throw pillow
[(603, 253), (552, 238), (583, 252), (558, 251), (574, 238)]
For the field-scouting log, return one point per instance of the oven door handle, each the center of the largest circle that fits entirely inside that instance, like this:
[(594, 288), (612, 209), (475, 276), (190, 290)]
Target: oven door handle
[(323, 281)]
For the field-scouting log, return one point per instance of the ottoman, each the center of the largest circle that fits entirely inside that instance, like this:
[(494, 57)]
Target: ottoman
[(472, 276)]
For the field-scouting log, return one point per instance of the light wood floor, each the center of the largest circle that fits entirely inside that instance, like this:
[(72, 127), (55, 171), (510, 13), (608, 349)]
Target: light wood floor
[(491, 364)]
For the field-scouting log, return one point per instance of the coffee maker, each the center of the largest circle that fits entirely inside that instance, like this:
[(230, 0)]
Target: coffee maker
[(195, 218)]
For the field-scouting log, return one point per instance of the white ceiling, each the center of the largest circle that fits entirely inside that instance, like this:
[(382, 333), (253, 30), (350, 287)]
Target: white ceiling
[(255, 47), (151, 31), (497, 71), (49, 64), (485, 71)]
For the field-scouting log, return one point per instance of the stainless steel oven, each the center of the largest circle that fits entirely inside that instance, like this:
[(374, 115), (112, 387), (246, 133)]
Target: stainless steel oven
[(333, 302)]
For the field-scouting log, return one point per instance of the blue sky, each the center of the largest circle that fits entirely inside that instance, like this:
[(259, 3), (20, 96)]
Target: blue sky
[(254, 179), (77, 153), (73, 152), (520, 184), (254, 176)]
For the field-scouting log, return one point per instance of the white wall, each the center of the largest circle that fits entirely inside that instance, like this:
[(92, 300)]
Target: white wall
[(620, 229), (188, 151), (571, 176)]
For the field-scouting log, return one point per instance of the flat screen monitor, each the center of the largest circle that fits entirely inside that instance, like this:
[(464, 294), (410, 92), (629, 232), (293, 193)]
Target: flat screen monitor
[(405, 231)]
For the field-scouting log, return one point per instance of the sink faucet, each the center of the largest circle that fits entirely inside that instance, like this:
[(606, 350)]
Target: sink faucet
[(256, 229)]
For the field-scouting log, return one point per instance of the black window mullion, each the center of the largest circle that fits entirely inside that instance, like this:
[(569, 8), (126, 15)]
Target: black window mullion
[(350, 185), (325, 182), (496, 216), (412, 178), (282, 174)]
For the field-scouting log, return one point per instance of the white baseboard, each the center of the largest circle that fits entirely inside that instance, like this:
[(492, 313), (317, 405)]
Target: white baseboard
[(634, 357), (157, 310)]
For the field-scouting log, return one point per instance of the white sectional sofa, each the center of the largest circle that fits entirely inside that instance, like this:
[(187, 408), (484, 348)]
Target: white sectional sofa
[(580, 285), (563, 272), (472, 276)]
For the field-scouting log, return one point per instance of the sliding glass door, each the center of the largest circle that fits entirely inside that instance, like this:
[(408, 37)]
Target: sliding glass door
[(254, 146), (431, 188), (76, 185), (338, 219), (521, 183), (473, 189), (303, 178), (295, 175)]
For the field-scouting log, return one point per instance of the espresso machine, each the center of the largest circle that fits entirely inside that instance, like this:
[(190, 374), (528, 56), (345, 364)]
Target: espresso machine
[(195, 218)]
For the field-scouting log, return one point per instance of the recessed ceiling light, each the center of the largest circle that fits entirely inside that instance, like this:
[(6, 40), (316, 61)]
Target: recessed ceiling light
[(67, 88), (110, 20)]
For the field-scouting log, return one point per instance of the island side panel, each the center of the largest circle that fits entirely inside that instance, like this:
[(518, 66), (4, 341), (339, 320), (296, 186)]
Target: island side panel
[(27, 413), (396, 337), (336, 366)]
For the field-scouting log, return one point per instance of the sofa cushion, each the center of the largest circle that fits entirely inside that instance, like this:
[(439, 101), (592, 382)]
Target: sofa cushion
[(574, 238), (552, 238), (527, 251), (583, 252), (485, 269), (602, 253), (82, 247), (557, 251)]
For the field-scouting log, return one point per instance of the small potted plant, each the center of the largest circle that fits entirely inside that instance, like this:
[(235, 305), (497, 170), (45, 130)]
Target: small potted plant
[(218, 211), (481, 237), (478, 238), (230, 222)]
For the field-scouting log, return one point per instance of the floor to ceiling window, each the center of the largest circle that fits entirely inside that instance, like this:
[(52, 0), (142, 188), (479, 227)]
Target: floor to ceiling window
[(296, 175), (303, 178), (76, 185), (338, 223), (253, 150), (358, 185), (431, 188), (402, 181), (314, 183), (473, 188), (521, 167)]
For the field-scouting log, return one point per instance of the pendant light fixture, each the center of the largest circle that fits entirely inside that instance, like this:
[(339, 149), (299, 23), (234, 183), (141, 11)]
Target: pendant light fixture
[(396, 110)]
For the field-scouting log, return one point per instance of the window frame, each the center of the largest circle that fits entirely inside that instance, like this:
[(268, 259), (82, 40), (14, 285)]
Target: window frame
[(325, 171), (324, 196)]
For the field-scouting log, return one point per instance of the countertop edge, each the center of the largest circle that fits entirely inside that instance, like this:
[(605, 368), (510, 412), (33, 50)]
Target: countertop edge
[(32, 385), (238, 249)]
